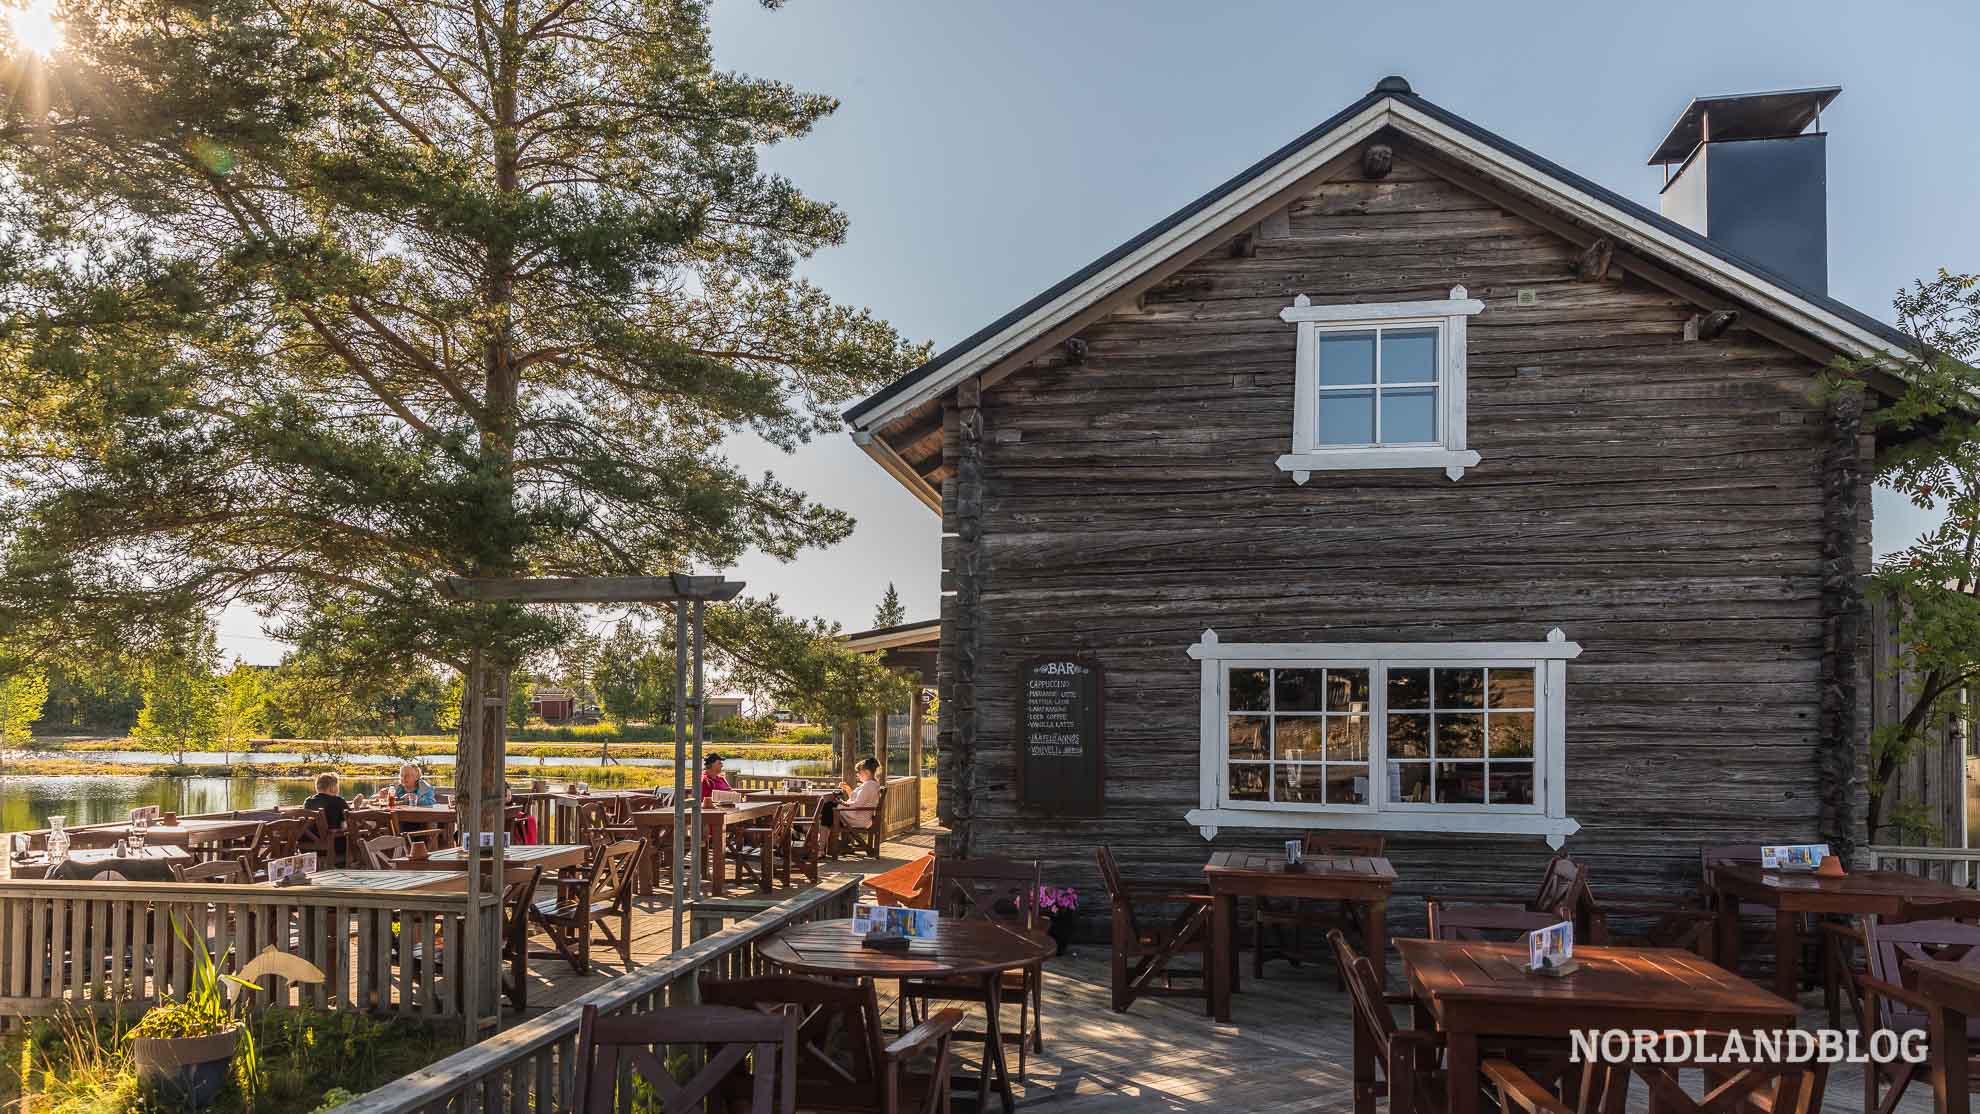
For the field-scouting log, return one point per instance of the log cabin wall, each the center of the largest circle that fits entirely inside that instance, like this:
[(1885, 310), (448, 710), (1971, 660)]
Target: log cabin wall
[(1660, 500)]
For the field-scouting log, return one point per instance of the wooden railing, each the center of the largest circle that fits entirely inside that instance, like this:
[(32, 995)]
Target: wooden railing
[(105, 946), (1959, 866), (903, 807), (533, 1066)]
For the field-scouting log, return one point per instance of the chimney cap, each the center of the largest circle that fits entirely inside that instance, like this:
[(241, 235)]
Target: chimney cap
[(1395, 84), (1772, 115)]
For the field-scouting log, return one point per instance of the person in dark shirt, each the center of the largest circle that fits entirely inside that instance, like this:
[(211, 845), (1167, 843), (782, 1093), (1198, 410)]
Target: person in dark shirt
[(327, 801)]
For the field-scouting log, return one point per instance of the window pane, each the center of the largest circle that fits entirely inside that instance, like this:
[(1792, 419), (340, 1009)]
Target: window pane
[(1409, 416), (1347, 738), (1297, 690), (1460, 688), (1460, 783), (1409, 736), (1296, 739), (1250, 690), (1512, 734), (1249, 738), (1347, 418), (1409, 688), (1347, 358), (1512, 783), (1347, 690), (1409, 781), (1511, 688), (1461, 735), (1347, 785), (1248, 782), (1409, 356), (1305, 784)]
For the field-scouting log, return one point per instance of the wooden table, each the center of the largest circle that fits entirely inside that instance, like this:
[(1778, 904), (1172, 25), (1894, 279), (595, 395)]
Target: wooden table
[(810, 798), (715, 823), (550, 856), (189, 832), (1954, 992), (383, 881), (1363, 881), (1474, 989), (148, 864), (566, 805), (1792, 893), (961, 949)]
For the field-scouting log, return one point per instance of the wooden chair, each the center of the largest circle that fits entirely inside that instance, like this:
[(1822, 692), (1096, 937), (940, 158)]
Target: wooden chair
[(273, 839), (1277, 924), (1002, 891), (1891, 1002), (592, 818), (912, 884), (362, 826), (807, 848), (602, 891), (1142, 954), (1563, 888), (1604, 1088), (229, 871), (748, 1054), (378, 852), (763, 852), (518, 886), (845, 1064), (1387, 1058), (318, 836), (868, 839), (1487, 922)]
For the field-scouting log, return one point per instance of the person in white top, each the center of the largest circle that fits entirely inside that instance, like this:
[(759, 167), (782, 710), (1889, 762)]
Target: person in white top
[(865, 795)]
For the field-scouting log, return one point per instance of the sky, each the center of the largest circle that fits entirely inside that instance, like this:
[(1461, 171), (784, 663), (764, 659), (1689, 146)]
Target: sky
[(984, 151)]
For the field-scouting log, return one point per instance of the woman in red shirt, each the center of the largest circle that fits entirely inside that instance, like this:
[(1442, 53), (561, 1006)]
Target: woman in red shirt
[(711, 777)]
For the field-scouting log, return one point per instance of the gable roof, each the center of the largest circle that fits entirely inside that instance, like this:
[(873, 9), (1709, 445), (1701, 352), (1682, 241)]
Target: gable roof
[(1391, 104)]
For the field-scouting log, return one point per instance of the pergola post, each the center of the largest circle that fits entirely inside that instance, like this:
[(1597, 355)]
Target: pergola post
[(880, 742)]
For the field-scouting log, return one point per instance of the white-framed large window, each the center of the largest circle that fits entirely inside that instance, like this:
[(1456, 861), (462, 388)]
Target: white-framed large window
[(1380, 386), (1448, 736)]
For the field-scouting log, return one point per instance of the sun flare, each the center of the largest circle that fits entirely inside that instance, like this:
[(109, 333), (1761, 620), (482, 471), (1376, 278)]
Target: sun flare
[(34, 27)]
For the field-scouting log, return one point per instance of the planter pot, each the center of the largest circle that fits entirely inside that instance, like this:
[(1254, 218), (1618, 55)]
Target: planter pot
[(1060, 926), (185, 1071)]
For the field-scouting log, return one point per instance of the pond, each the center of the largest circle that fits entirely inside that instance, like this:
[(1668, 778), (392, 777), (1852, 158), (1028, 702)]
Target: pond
[(27, 802)]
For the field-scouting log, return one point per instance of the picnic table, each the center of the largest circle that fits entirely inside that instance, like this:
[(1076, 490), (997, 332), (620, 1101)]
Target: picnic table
[(1361, 880), (961, 948), (715, 823), (147, 864), (1473, 990), (1884, 893)]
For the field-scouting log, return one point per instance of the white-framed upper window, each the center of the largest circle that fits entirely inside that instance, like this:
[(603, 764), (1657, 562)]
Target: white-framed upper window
[(1452, 736), (1380, 386)]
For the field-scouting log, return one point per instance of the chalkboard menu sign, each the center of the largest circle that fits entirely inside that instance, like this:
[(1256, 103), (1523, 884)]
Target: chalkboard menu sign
[(1061, 763)]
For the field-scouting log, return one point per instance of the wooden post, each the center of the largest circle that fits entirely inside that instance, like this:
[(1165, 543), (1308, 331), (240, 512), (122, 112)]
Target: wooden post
[(848, 750), (880, 743), (478, 782), (686, 781), (917, 710)]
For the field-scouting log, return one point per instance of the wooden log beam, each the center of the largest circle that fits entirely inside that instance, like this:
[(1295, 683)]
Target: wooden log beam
[(591, 589)]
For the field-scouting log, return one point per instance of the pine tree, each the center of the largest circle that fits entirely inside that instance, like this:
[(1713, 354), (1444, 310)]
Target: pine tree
[(891, 612), (308, 304)]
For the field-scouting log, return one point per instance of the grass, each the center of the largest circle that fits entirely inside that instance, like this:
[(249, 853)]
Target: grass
[(310, 1060)]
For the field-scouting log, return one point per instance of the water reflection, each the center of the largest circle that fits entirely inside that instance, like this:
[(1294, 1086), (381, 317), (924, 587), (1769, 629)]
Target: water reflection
[(27, 802)]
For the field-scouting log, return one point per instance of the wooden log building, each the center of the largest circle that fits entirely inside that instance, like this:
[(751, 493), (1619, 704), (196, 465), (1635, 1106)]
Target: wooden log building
[(1408, 481)]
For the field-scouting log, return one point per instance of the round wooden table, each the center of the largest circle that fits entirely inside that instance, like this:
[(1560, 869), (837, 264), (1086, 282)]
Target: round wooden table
[(977, 949)]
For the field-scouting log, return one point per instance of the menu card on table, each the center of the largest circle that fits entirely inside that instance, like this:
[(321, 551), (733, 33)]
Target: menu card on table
[(1793, 856), (895, 920), (145, 815), (295, 866), (1550, 950)]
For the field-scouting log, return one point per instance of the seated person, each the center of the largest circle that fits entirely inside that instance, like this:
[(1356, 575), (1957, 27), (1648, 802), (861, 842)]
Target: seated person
[(411, 788), (712, 780), (864, 797), (328, 802)]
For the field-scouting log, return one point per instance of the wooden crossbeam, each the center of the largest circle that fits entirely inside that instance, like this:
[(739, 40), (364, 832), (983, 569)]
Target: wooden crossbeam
[(592, 589)]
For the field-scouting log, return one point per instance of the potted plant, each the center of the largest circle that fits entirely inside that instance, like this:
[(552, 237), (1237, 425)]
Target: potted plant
[(1059, 905), (183, 1049)]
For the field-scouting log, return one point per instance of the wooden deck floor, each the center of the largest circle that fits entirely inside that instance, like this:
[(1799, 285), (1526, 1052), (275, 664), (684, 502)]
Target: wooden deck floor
[(553, 982)]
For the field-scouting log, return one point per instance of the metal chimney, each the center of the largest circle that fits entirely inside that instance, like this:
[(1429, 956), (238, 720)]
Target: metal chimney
[(1753, 177)]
